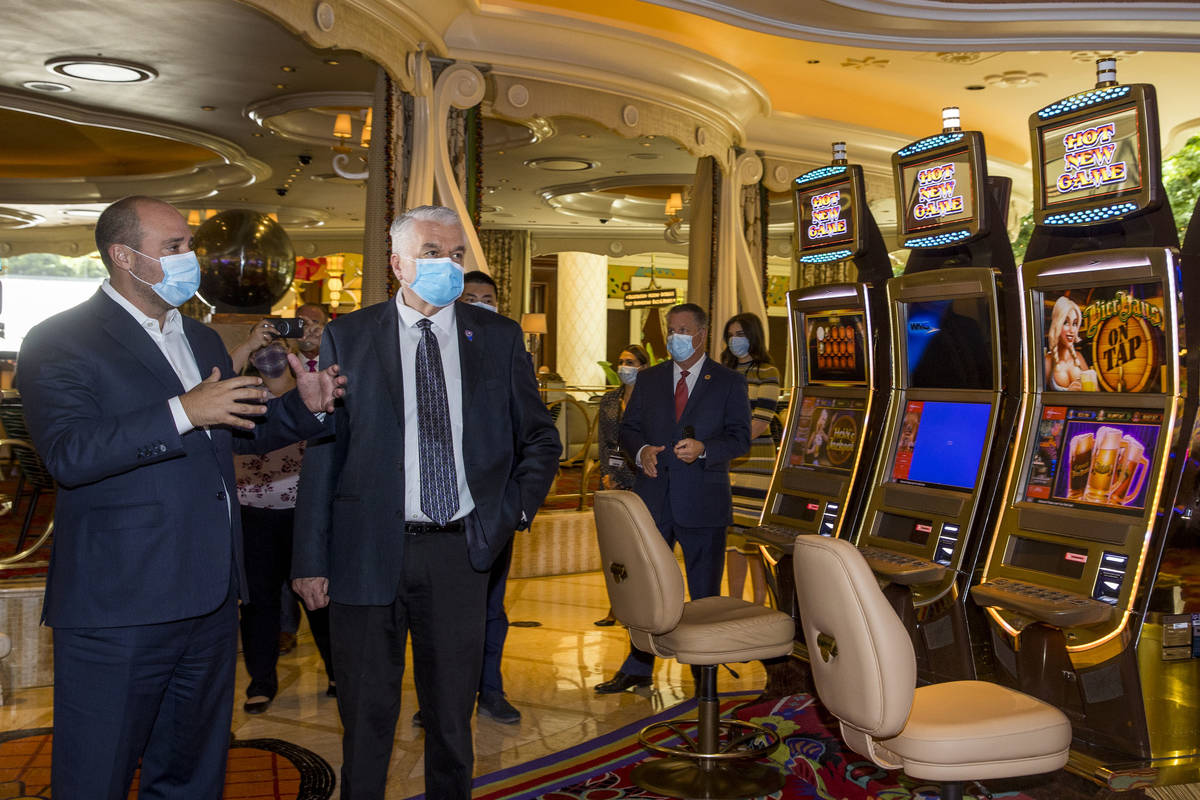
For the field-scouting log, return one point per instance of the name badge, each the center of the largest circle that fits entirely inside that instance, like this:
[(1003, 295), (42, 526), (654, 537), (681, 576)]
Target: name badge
[(616, 462)]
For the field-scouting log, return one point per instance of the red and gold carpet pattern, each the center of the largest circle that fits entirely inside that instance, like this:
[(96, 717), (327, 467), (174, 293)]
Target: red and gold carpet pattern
[(258, 769), (815, 762)]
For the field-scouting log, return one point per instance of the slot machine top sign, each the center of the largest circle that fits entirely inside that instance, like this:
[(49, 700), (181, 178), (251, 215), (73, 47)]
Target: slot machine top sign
[(1097, 153), (1107, 339), (828, 201)]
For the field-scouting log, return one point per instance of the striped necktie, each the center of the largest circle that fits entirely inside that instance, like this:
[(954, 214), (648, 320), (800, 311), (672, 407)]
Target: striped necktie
[(439, 482)]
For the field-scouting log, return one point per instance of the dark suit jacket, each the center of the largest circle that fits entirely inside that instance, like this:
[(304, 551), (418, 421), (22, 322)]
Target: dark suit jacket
[(350, 509), (146, 526), (718, 410)]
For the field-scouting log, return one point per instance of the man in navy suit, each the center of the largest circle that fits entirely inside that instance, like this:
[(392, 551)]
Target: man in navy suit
[(687, 418), (146, 567), (442, 449)]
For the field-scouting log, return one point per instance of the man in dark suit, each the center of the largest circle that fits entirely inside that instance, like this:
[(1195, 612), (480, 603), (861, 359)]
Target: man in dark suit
[(442, 449), (146, 567), (687, 418)]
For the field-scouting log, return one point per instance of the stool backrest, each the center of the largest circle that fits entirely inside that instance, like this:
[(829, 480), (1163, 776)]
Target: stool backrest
[(862, 659), (643, 578), (12, 420)]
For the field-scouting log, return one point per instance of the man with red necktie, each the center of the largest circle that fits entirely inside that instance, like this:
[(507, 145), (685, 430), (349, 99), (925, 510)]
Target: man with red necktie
[(686, 420)]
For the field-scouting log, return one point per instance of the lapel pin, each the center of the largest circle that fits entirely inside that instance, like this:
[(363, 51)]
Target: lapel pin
[(470, 335), (708, 376)]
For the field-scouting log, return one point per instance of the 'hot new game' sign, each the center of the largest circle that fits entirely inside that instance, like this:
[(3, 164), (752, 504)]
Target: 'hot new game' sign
[(1097, 158), (1110, 339)]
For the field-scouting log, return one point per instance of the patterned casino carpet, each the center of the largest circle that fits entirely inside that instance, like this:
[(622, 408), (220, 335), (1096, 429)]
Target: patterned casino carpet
[(259, 769), (811, 755)]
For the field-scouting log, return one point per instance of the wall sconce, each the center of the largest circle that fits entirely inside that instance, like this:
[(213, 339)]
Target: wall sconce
[(534, 326), (193, 218), (366, 131), (342, 127), (674, 204)]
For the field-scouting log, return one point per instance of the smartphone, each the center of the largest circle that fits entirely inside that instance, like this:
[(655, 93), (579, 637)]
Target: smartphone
[(288, 328)]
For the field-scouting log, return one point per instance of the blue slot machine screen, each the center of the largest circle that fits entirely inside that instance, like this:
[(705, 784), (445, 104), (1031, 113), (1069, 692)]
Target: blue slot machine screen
[(941, 443)]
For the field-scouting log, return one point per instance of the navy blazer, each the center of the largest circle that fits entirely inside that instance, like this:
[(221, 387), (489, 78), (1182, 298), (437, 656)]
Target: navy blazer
[(350, 509), (718, 411), (146, 525)]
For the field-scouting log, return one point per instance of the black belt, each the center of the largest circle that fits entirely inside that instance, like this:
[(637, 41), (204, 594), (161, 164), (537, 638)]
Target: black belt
[(453, 526)]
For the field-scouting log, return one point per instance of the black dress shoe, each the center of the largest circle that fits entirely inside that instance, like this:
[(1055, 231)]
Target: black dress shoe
[(417, 719), (495, 706), (257, 704), (621, 682), (331, 690)]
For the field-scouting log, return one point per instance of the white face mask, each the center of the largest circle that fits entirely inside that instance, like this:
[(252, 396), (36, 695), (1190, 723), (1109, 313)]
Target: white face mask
[(627, 373)]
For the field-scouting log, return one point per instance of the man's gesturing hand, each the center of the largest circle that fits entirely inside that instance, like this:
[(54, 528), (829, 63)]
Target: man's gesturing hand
[(223, 402), (313, 591), (649, 458), (318, 390)]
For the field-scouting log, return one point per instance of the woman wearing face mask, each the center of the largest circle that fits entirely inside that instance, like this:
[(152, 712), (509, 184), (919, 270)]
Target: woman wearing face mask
[(750, 475), (616, 469), (267, 487)]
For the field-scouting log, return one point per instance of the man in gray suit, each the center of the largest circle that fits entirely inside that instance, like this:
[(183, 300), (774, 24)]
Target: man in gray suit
[(442, 449)]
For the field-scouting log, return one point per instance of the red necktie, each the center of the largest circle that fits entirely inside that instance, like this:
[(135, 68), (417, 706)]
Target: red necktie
[(312, 365), (681, 394)]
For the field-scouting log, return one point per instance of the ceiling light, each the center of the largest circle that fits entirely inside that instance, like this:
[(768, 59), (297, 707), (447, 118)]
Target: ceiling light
[(49, 87), (333, 62), (208, 108), (645, 156), (286, 68), (561, 164), (585, 136), (281, 86), (342, 127), (104, 70), (975, 87)]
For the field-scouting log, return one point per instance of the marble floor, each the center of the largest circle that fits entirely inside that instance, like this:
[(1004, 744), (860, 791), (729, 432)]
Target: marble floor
[(549, 668)]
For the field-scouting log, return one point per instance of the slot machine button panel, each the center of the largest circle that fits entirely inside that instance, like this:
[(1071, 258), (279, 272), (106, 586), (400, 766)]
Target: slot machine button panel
[(903, 569), (1052, 606)]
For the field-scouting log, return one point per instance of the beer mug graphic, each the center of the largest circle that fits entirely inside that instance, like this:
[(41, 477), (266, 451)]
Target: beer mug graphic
[(1130, 473), (1079, 462), (1104, 465), (1089, 381)]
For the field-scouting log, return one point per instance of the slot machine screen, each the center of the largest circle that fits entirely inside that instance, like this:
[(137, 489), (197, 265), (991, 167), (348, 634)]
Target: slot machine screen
[(949, 343), (1095, 159), (1107, 339), (938, 192), (827, 216), (941, 443), (1096, 458), (836, 347), (827, 433)]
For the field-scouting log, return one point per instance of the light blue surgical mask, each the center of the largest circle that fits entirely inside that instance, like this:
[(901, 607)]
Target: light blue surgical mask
[(180, 280), (680, 346), (627, 373), (439, 281), (739, 346), (488, 306)]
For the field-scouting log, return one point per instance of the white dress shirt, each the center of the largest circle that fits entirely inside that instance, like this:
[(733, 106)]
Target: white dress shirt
[(692, 376), (173, 343), (445, 329)]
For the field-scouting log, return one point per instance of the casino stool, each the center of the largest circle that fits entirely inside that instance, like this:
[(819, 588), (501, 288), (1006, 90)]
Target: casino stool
[(865, 673), (645, 587)]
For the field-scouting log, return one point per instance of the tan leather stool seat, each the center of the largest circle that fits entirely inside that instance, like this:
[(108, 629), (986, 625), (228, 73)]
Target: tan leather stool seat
[(980, 729), (718, 630), (645, 587), (865, 672)]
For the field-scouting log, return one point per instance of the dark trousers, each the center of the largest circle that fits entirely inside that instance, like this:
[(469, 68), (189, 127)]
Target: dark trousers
[(162, 693), (496, 630), (441, 602), (267, 538), (703, 563)]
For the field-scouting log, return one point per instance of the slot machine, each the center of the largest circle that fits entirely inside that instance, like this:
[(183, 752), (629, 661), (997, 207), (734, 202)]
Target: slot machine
[(1091, 596), (839, 344), (956, 339)]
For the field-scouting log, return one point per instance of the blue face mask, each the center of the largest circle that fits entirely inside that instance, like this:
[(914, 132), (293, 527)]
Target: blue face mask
[(439, 281), (739, 346), (627, 373), (488, 306), (680, 346), (180, 280)]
